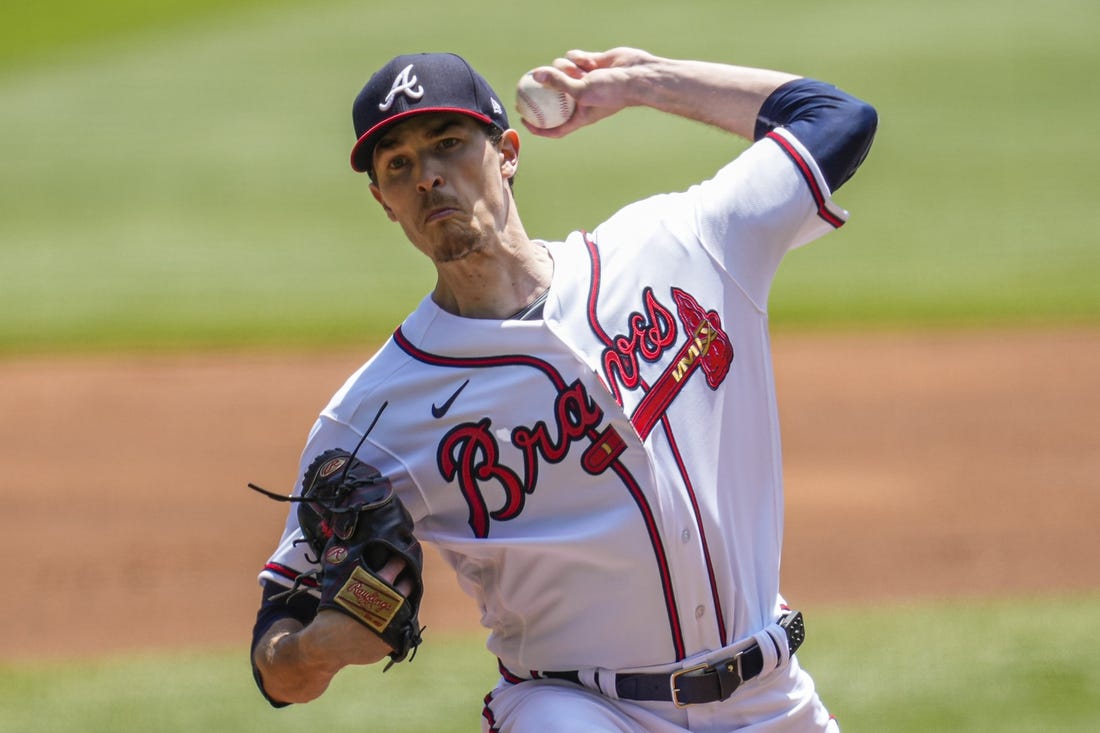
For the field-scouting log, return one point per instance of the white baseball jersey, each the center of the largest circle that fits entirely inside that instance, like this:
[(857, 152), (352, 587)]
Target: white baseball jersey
[(606, 481)]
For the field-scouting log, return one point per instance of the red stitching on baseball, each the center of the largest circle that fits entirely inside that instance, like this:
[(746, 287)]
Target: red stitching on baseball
[(540, 119)]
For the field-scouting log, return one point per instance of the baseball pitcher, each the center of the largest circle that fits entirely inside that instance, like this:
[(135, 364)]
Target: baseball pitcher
[(586, 429)]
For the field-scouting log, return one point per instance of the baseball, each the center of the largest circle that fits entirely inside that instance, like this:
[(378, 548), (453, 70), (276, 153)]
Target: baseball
[(540, 106)]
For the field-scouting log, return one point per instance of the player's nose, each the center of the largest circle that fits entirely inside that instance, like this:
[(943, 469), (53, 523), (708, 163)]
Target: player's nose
[(429, 176)]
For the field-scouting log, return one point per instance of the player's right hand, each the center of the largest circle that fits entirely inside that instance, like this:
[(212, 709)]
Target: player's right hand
[(600, 82)]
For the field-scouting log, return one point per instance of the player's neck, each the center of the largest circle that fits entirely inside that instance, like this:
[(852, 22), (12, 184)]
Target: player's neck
[(495, 284)]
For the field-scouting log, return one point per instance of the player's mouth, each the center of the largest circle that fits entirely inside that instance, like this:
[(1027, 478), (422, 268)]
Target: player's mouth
[(438, 214), (437, 207)]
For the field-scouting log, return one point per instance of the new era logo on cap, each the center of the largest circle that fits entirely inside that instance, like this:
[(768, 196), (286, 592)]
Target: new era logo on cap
[(416, 84)]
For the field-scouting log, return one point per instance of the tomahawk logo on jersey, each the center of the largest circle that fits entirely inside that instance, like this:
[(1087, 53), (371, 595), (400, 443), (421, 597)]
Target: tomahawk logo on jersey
[(706, 346)]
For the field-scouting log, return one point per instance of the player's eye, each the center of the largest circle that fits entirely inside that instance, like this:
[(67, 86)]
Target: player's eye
[(396, 163)]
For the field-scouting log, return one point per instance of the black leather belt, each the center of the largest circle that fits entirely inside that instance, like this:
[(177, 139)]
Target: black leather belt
[(704, 683)]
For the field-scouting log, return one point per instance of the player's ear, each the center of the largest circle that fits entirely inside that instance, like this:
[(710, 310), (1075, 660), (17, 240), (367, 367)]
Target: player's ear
[(509, 153), (377, 193)]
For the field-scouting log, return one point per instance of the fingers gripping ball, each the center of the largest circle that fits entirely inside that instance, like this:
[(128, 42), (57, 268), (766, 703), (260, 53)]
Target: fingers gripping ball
[(541, 106), (355, 524)]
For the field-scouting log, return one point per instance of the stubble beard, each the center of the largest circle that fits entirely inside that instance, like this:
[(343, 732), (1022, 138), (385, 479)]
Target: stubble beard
[(459, 241)]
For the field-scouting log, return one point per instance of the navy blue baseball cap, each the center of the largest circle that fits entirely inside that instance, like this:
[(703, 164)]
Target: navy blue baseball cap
[(414, 84)]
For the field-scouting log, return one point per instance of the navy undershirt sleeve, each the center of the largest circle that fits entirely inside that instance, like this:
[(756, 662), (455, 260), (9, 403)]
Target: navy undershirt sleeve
[(300, 606), (834, 126)]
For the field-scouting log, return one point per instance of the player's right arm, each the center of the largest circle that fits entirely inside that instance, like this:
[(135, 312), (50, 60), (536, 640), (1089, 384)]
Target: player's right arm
[(775, 197), (602, 83), (836, 127)]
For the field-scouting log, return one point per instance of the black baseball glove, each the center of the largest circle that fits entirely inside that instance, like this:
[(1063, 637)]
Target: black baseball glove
[(355, 523)]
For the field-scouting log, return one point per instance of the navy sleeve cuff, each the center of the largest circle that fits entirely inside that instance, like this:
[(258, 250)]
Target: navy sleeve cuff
[(301, 606), (835, 127)]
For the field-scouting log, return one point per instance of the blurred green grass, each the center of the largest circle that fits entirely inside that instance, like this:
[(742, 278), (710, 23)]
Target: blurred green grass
[(1009, 665), (175, 176), (32, 32)]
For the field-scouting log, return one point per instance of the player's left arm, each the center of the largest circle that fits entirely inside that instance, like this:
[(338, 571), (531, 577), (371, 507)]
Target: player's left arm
[(294, 663)]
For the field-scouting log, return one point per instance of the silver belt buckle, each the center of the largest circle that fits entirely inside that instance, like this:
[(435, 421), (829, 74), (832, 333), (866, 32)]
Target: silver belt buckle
[(674, 678)]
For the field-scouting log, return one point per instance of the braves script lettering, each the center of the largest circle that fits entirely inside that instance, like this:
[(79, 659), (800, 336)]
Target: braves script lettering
[(575, 413), (649, 336), (707, 348), (470, 455)]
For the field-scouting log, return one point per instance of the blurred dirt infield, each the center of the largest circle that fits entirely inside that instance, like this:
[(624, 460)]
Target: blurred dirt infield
[(916, 465)]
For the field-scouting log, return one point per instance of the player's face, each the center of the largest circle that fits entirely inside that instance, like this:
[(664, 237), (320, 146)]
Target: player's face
[(442, 179)]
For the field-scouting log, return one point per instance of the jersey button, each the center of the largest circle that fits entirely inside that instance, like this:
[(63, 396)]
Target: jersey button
[(699, 611), (685, 536)]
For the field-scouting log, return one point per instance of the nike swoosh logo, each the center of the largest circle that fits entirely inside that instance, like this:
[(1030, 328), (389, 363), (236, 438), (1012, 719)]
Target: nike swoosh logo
[(438, 412)]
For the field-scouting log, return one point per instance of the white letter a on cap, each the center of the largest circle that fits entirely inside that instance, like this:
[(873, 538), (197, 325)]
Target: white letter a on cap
[(406, 84)]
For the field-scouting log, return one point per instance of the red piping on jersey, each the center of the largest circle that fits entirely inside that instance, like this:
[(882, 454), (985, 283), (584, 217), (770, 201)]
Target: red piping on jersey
[(487, 713), (509, 675), (593, 297), (811, 181), (628, 480), (477, 362), (720, 616), (593, 322)]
